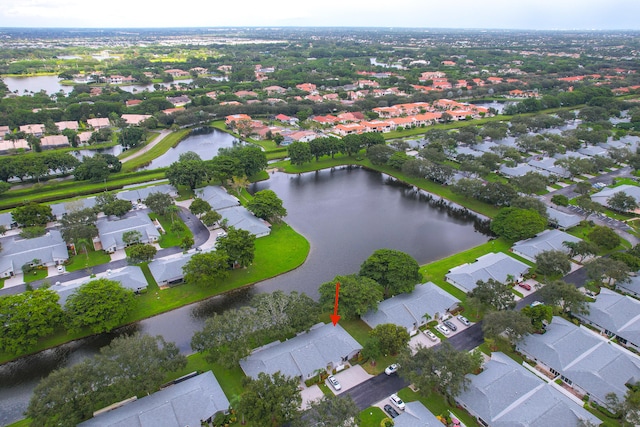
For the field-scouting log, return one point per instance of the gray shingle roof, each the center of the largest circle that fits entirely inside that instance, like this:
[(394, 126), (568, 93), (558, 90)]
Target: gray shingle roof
[(110, 232), (133, 195), (217, 197), (304, 354), (240, 218), (130, 277), (521, 169), (562, 219), (588, 360), (546, 241), (602, 196), (617, 313), (548, 164), (462, 150), (493, 265), (632, 286), (416, 415), (184, 404), (59, 209), (16, 251), (505, 394), (169, 269), (593, 150), (6, 219), (408, 309)]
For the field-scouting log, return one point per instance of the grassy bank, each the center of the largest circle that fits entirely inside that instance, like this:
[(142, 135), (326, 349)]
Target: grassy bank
[(156, 151)]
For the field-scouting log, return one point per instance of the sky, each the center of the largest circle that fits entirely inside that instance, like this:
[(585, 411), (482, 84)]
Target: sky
[(507, 14)]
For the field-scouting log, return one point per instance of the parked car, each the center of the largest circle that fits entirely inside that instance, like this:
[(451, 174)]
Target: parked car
[(524, 285), (391, 369), (536, 303), (431, 335), (389, 410), (449, 324), (397, 401), (443, 329), (334, 382), (60, 269), (463, 320)]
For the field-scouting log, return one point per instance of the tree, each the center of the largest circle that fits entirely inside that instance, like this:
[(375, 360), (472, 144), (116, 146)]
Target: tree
[(609, 269), (391, 338), (379, 154), (132, 136), (588, 206), (358, 295), (77, 226), (267, 205), (560, 200), (538, 314), (514, 325), (622, 202), (239, 245), (199, 207), (531, 203), (207, 268), (101, 305), (239, 183), (517, 224), (131, 237), (299, 153), (552, 263), (141, 253), (441, 369), (271, 400), (565, 296), (492, 295), (27, 317), (187, 171), (94, 169), (32, 214), (159, 203), (117, 208), (582, 248), (186, 242), (396, 271), (331, 410), (283, 314), (210, 218), (604, 237), (583, 188), (531, 182)]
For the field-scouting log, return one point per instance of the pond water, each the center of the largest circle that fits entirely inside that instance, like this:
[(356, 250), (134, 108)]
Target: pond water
[(346, 214)]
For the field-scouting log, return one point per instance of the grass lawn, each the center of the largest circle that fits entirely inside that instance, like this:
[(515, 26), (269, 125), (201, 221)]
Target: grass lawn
[(170, 238), (22, 423), (438, 405), (151, 136), (159, 149), (91, 258), (37, 274), (372, 417)]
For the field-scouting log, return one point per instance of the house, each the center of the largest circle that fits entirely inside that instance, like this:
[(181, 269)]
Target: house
[(189, 402), (292, 121), (83, 137), (138, 195), (240, 218), (54, 141), (498, 266), (49, 250), (427, 302), (246, 94), (12, 145), (4, 130), (415, 414), (132, 102), (175, 72), (586, 361), (35, 129), (130, 277), (593, 150), (73, 125), (232, 119), (6, 220), (61, 209), (562, 220), (217, 197), (505, 394), (179, 101), (548, 164), (605, 194), (616, 315), (324, 347), (99, 123), (548, 240), (110, 232), (307, 87), (521, 169), (167, 271), (274, 89), (135, 119)]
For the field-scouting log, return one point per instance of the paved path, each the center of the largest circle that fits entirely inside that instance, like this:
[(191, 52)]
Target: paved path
[(163, 135)]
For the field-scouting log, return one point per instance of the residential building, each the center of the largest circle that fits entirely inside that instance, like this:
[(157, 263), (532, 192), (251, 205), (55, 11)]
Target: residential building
[(4, 130), (217, 197), (236, 118), (548, 164), (506, 394), (48, 250), (616, 315), (135, 119), (548, 240), (189, 402), (54, 141), (498, 266), (307, 87), (179, 101), (34, 129), (110, 232), (604, 195), (175, 72), (240, 218), (586, 361), (415, 414), (132, 102), (73, 125), (562, 220), (324, 347), (12, 145), (61, 209), (99, 123), (427, 302), (138, 195)]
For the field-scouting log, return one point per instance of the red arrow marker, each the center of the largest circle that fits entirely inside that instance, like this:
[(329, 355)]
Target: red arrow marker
[(335, 316)]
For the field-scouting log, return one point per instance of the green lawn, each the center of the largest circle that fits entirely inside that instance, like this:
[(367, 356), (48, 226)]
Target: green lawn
[(159, 149), (372, 417), (170, 238), (37, 274), (90, 259)]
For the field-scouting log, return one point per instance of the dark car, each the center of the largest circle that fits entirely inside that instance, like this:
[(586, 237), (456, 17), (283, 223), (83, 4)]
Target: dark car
[(451, 325), (391, 411)]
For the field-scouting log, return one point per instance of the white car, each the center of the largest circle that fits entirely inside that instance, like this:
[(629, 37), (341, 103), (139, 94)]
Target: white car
[(463, 320), (443, 329), (397, 401), (391, 369), (60, 269), (334, 382), (431, 335)]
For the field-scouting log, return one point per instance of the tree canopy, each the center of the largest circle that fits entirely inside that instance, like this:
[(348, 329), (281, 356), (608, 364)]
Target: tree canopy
[(517, 224), (267, 205), (32, 214), (239, 245), (207, 268), (358, 295), (396, 271), (271, 400), (159, 203)]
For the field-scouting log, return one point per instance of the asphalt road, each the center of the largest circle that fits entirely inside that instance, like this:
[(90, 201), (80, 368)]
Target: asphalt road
[(375, 389)]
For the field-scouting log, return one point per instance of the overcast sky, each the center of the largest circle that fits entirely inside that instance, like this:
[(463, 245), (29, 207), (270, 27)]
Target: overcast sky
[(514, 14)]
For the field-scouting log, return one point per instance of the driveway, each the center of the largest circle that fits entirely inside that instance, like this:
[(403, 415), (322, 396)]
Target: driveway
[(309, 394), (350, 378), (421, 339)]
